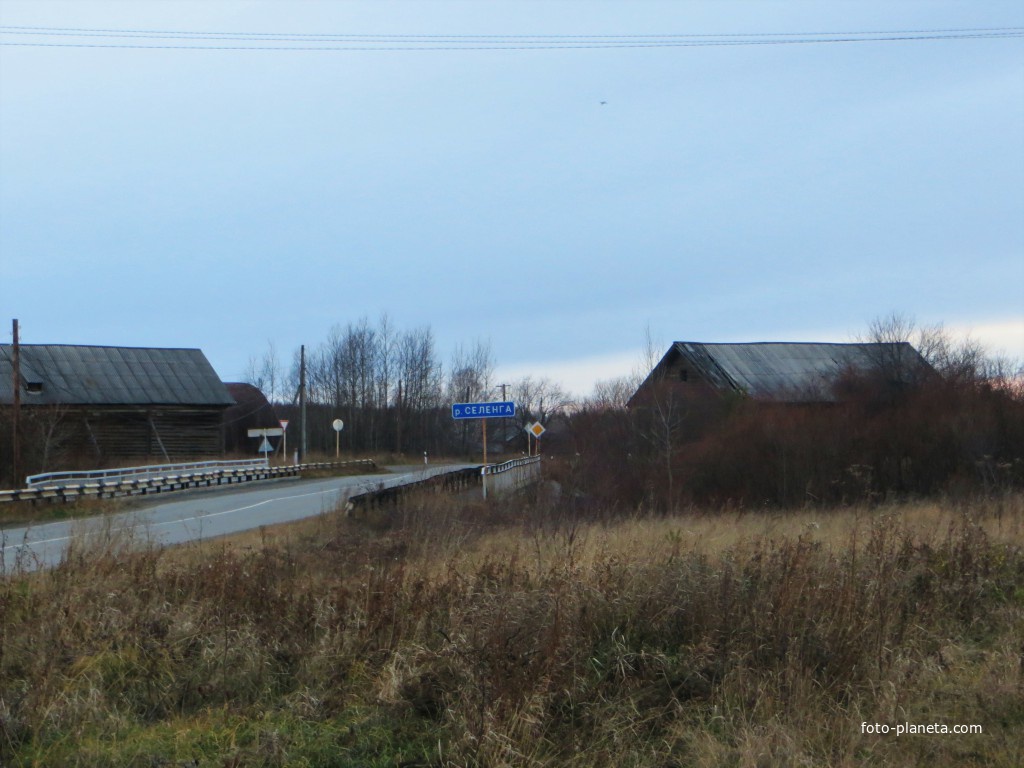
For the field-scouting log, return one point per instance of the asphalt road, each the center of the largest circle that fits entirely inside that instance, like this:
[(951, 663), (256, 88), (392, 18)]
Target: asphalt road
[(194, 515)]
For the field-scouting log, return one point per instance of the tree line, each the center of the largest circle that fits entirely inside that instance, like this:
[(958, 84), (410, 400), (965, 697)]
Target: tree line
[(393, 390)]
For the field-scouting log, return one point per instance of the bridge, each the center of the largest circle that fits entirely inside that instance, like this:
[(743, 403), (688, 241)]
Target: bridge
[(221, 506)]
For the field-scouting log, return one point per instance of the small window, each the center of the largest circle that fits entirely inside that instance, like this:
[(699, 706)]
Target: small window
[(34, 387), (684, 375)]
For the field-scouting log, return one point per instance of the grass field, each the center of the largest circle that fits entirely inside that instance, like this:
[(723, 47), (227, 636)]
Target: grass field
[(449, 633)]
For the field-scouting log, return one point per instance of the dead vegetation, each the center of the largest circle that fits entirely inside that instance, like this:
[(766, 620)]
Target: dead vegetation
[(447, 633)]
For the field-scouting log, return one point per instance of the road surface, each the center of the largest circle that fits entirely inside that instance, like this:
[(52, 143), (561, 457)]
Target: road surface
[(198, 515)]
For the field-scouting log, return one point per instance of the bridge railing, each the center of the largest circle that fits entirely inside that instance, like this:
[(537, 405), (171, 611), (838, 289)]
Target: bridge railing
[(46, 479), (511, 475), (128, 485), (389, 492), (69, 486), (507, 476)]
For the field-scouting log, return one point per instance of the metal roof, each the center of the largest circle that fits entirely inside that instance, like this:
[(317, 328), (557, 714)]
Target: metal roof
[(791, 371), (86, 375)]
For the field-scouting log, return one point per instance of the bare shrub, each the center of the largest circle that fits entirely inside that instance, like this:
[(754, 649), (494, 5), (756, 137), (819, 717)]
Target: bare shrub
[(458, 636)]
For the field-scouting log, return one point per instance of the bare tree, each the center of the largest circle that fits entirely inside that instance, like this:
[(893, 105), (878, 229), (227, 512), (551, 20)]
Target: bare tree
[(419, 368), (265, 373), (470, 373), (539, 400), (469, 380), (387, 343), (328, 370), (659, 419), (612, 394), (420, 379), (962, 359)]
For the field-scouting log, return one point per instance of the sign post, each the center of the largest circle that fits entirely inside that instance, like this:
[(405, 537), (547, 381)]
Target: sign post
[(284, 437), (483, 411), (338, 425), (265, 447), (536, 429)]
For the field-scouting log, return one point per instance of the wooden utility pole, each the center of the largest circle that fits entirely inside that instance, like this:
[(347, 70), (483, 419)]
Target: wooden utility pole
[(15, 409), (483, 477), (504, 431), (398, 422), (302, 403), (465, 429)]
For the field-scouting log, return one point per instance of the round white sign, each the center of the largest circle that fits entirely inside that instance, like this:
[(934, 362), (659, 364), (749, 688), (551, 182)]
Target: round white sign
[(338, 425)]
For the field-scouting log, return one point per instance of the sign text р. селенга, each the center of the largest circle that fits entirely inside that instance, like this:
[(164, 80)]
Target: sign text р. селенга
[(483, 410)]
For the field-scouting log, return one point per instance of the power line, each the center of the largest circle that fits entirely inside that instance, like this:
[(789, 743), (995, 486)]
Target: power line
[(367, 42), (547, 37), (482, 47)]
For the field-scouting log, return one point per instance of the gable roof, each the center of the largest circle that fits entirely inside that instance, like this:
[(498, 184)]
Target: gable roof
[(87, 375), (251, 406), (789, 371)]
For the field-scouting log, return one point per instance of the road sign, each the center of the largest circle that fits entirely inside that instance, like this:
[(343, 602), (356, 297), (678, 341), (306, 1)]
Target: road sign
[(266, 447), (338, 425), (268, 432), (483, 410), (536, 429), (283, 423)]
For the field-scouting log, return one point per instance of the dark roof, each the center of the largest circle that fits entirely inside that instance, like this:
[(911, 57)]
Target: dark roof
[(251, 406), (85, 375), (791, 371)]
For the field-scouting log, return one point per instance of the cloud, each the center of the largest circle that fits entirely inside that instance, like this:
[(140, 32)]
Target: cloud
[(1001, 337)]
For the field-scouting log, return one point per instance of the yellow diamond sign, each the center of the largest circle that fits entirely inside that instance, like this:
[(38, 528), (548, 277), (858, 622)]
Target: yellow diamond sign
[(536, 429)]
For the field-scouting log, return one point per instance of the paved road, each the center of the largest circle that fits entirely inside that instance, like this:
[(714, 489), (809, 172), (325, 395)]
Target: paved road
[(199, 514)]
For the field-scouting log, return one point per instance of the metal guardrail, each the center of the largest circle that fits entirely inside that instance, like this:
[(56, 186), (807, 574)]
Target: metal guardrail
[(507, 466), (511, 475), (99, 488), (47, 479), (507, 475)]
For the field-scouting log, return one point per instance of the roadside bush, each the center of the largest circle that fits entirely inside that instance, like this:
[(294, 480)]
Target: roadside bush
[(875, 443)]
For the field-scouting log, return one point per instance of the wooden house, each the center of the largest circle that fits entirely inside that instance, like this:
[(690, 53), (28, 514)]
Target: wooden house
[(779, 372), (119, 402)]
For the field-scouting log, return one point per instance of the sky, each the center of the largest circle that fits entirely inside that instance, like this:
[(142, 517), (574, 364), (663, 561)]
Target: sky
[(230, 187)]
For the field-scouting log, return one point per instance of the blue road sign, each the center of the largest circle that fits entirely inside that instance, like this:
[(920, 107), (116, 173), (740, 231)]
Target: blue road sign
[(483, 410)]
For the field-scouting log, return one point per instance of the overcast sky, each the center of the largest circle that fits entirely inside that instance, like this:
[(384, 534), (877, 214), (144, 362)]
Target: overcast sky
[(553, 201)]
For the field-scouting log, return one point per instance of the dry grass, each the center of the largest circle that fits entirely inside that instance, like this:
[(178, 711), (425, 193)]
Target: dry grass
[(446, 633)]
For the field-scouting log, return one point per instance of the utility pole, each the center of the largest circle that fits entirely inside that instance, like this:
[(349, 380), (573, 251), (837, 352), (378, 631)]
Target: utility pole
[(398, 421), (302, 403), (16, 408), (504, 430), (465, 428)]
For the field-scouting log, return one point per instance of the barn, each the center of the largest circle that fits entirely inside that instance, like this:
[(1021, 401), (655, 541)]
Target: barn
[(780, 372), (118, 402)]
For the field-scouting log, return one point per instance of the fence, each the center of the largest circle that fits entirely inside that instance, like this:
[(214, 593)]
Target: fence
[(142, 484)]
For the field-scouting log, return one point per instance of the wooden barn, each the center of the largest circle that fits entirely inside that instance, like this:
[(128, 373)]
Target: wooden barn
[(119, 402), (779, 372)]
